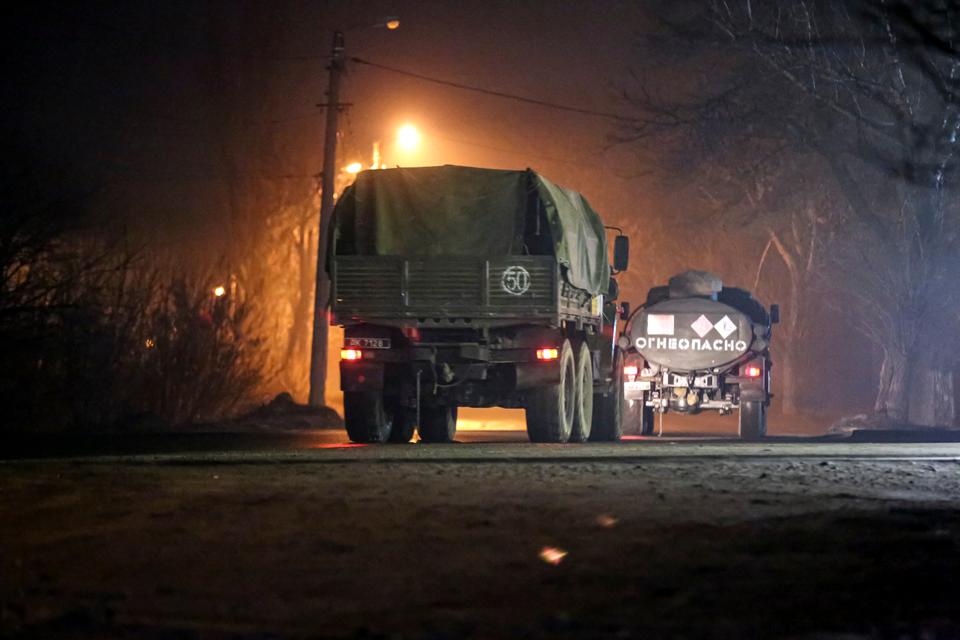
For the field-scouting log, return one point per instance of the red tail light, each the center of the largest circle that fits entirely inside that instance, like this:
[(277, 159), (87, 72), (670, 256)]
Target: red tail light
[(752, 371), (350, 354), (412, 333), (548, 353), (631, 370)]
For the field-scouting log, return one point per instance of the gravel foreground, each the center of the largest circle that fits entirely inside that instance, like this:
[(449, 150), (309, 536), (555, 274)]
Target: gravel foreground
[(188, 547)]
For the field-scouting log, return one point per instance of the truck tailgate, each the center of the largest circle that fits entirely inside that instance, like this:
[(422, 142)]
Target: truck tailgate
[(394, 287)]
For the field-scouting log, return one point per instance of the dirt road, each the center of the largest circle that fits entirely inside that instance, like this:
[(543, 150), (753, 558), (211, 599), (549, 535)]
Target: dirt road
[(490, 539)]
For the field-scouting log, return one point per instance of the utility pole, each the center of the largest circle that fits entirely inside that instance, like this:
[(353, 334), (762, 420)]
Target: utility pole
[(318, 350)]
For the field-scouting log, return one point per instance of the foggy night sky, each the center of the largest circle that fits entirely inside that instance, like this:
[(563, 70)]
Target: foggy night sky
[(117, 87), (141, 98)]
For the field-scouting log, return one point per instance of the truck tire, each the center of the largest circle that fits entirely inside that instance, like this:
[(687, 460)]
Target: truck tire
[(647, 417), (404, 423), (438, 424), (550, 409), (366, 417), (753, 420), (608, 409), (583, 412)]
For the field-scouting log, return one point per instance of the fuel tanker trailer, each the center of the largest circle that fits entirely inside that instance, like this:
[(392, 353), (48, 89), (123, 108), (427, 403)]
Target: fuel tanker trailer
[(694, 346)]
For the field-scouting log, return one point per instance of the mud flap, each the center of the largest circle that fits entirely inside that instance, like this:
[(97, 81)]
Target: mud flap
[(361, 376), (752, 393)]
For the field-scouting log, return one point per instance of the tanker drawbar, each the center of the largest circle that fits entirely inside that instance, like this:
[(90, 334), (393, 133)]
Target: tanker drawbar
[(696, 345)]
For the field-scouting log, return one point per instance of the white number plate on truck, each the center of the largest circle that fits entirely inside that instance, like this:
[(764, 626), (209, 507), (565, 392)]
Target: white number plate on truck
[(699, 382), (636, 388), (369, 343)]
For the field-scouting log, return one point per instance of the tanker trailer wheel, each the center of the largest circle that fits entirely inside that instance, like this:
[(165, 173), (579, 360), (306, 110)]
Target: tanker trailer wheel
[(550, 409), (583, 411), (366, 417), (438, 424), (404, 423), (753, 420), (608, 409)]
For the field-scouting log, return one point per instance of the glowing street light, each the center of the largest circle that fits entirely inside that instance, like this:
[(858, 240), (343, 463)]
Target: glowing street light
[(219, 291), (408, 138), (392, 23), (353, 168)]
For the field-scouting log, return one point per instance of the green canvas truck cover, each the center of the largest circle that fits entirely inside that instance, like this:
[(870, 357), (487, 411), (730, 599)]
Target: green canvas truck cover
[(470, 212)]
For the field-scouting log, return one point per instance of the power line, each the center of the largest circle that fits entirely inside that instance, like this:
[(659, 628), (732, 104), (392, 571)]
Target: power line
[(498, 94), (513, 152), (127, 175)]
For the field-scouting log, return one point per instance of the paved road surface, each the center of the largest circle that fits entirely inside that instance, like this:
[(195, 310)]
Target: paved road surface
[(301, 535), (479, 445)]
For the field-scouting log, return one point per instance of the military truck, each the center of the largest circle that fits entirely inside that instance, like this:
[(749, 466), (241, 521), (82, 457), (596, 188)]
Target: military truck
[(468, 287), (696, 345)]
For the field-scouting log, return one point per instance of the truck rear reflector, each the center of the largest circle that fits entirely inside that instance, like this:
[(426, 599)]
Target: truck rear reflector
[(549, 353), (350, 354)]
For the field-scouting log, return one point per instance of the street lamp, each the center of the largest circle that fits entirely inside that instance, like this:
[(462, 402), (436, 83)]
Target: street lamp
[(318, 350), (408, 138)]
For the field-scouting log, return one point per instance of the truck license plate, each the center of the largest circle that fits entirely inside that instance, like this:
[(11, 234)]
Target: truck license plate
[(700, 382), (635, 389), (704, 382), (369, 343)]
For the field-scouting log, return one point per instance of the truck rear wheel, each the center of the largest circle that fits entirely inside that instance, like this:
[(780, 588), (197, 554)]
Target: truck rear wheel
[(608, 409), (438, 424), (366, 417), (583, 413), (753, 420), (550, 408), (404, 423)]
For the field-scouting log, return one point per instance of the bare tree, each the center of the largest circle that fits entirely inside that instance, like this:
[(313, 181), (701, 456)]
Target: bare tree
[(871, 89), (748, 186), (799, 245), (267, 208), (763, 193)]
